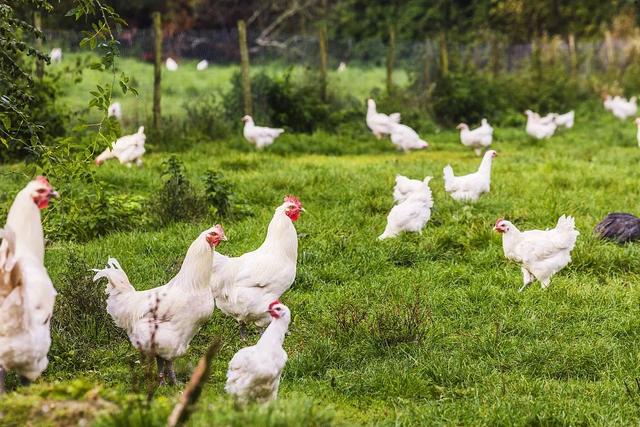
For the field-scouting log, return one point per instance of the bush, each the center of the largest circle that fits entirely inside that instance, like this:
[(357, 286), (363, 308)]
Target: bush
[(177, 199), (205, 116), (220, 197)]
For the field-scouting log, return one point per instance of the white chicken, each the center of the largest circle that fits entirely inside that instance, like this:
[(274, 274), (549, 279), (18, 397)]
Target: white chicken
[(56, 55), (244, 286), (405, 138), (541, 254), (202, 65), (379, 123), (405, 187), (478, 138), (342, 67), (171, 64), (566, 120), (539, 130), (254, 372), (413, 212), (27, 295), (468, 188), (259, 135), (621, 108), (127, 149), (162, 321), (115, 110)]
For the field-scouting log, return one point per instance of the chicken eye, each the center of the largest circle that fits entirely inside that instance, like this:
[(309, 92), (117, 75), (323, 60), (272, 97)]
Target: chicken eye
[(41, 190)]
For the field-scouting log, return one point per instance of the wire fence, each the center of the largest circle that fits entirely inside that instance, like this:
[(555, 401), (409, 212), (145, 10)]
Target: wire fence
[(221, 47)]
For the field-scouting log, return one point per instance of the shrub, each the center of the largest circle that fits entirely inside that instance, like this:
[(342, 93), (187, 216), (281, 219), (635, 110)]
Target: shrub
[(205, 116), (177, 199)]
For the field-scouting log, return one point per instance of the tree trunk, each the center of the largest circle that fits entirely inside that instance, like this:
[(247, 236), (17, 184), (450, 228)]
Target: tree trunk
[(322, 38), (573, 56), (444, 54), (611, 56), (391, 57), (244, 64), (37, 22), (157, 69), (426, 70)]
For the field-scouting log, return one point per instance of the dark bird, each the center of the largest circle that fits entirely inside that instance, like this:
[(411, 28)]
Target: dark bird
[(621, 227)]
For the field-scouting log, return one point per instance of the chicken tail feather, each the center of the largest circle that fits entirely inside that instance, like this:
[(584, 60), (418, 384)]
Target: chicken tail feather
[(118, 282)]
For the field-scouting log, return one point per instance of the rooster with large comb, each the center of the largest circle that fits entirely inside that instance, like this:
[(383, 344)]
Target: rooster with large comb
[(27, 295), (244, 286)]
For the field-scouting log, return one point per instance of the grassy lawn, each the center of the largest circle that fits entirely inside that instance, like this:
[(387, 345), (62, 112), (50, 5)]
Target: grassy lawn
[(419, 330)]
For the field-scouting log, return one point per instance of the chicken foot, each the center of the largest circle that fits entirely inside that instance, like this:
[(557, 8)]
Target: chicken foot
[(3, 375), (161, 370), (24, 381), (527, 278), (169, 373), (243, 331)]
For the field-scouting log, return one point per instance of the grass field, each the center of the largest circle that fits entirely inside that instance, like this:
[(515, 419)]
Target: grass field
[(420, 330)]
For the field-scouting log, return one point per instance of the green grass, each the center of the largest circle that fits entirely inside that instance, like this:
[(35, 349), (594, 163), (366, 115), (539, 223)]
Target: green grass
[(418, 330)]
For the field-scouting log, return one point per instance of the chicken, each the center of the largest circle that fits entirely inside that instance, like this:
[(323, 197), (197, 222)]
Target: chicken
[(478, 138), (254, 372), (244, 286), (379, 123), (27, 295), (56, 55), (541, 254), (618, 226), (405, 138), (565, 119), (127, 149), (468, 188), (413, 212), (537, 129), (259, 135), (115, 110), (342, 67), (621, 108), (202, 65), (161, 322), (171, 64), (405, 187)]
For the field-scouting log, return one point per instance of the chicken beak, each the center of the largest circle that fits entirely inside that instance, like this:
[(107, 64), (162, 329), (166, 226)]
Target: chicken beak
[(54, 194)]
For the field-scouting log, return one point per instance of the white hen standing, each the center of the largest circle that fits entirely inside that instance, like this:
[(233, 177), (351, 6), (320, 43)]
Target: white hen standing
[(245, 286), (162, 321), (27, 295), (541, 254), (202, 65), (254, 372), (171, 64), (468, 188), (478, 138), (537, 129), (405, 138), (379, 123), (259, 135), (404, 187), (413, 213), (127, 149)]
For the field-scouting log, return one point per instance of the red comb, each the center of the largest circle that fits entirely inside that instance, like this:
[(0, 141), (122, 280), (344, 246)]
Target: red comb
[(42, 179), (276, 302), (292, 199), (499, 220)]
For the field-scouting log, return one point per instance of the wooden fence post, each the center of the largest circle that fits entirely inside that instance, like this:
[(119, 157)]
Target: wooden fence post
[(495, 55), (391, 57), (573, 56), (444, 54), (426, 70), (244, 63), (322, 38), (37, 22), (157, 69), (608, 41)]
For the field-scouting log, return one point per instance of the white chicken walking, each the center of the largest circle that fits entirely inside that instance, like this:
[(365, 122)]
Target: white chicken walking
[(405, 138), (127, 149), (469, 188), (171, 64), (541, 254), (162, 321), (245, 286), (566, 120), (413, 212), (254, 372), (27, 295), (260, 136), (478, 138), (379, 123), (537, 129)]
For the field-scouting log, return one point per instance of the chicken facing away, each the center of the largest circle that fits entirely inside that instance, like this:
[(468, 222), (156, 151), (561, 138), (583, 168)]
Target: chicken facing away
[(468, 188), (379, 123), (171, 64), (244, 286), (202, 65), (537, 129), (56, 55), (115, 110), (405, 138), (161, 322), (127, 149), (254, 372), (413, 212), (478, 138), (541, 254), (618, 226), (27, 295), (566, 120), (260, 136)]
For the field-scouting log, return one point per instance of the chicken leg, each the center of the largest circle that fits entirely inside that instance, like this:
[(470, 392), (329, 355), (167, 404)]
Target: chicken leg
[(3, 375), (161, 369), (24, 381), (527, 278), (169, 373), (243, 331)]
